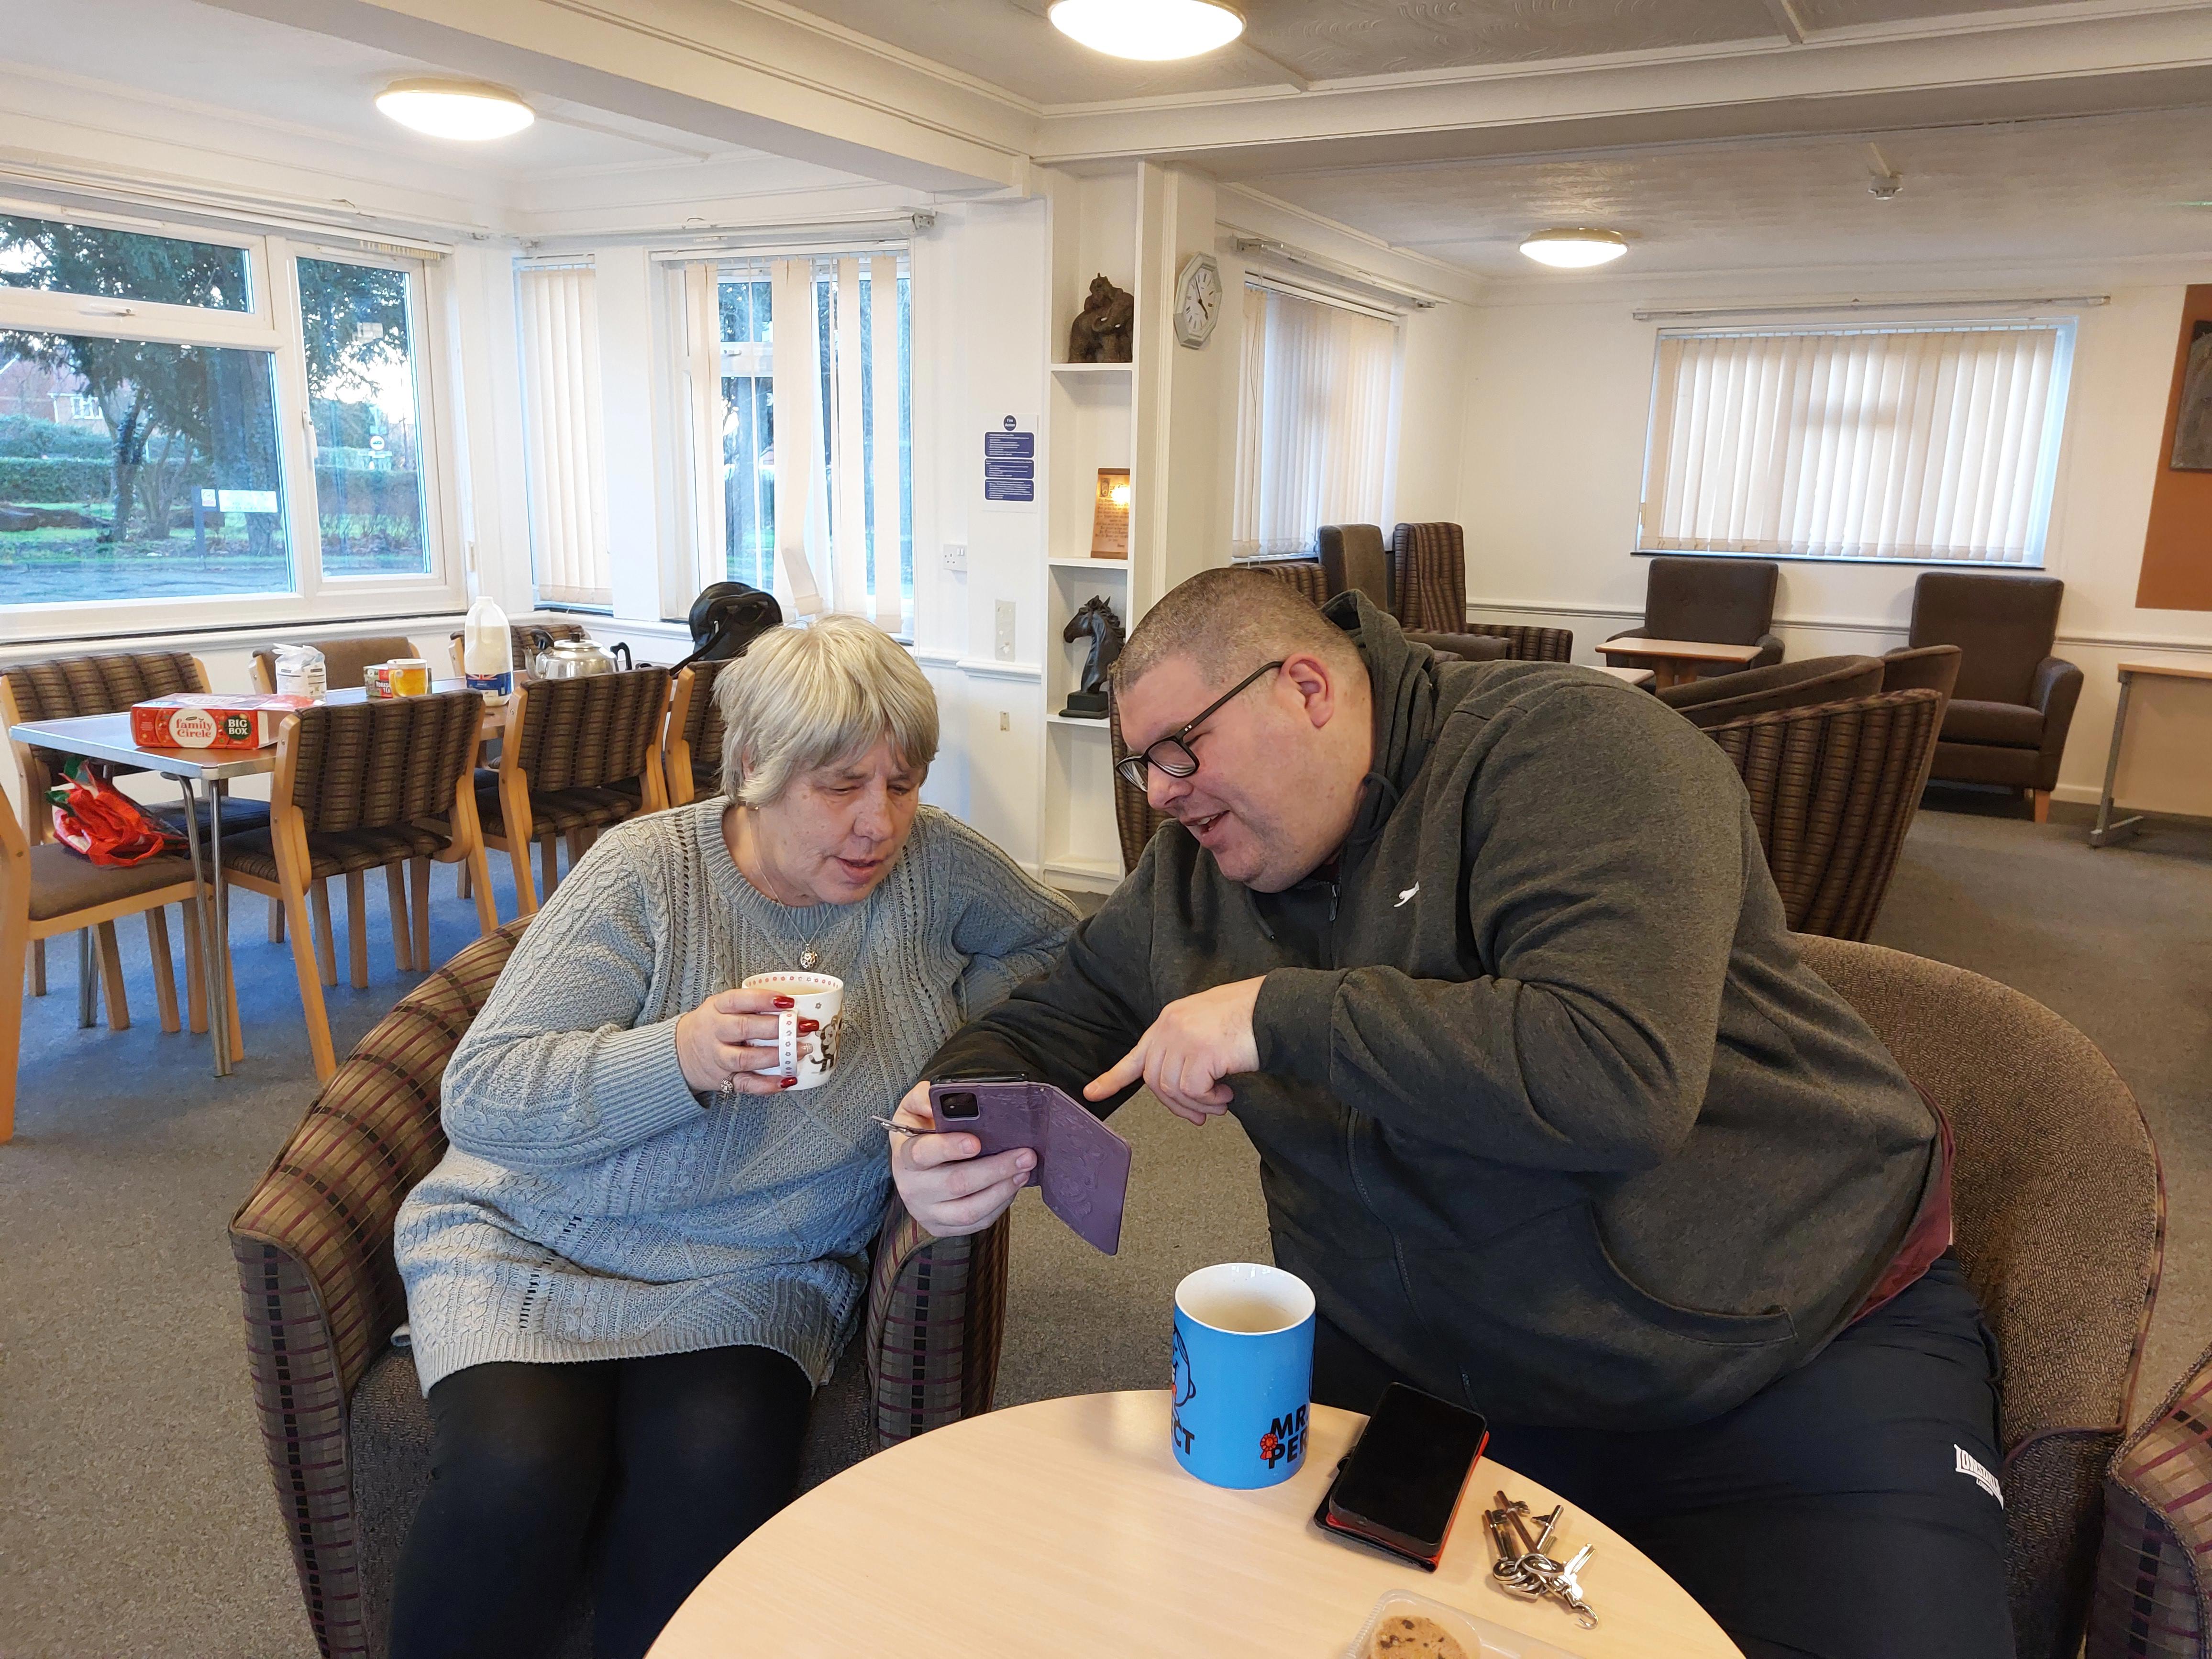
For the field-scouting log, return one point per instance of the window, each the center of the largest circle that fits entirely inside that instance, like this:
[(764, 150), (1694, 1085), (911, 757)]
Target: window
[(172, 489), (175, 428), (1314, 419), (799, 394), (362, 407), (1933, 444), (56, 257), (562, 453)]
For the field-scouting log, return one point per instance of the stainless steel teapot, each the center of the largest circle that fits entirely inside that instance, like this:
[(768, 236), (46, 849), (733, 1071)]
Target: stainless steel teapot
[(569, 659)]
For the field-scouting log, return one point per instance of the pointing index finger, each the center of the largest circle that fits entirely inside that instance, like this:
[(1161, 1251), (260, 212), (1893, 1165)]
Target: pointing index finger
[(1125, 1071)]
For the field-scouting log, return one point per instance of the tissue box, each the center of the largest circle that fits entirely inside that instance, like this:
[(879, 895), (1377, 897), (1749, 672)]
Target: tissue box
[(211, 720)]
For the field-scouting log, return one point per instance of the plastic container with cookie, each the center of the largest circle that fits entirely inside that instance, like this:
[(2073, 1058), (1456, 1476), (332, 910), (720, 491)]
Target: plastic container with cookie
[(1404, 1625)]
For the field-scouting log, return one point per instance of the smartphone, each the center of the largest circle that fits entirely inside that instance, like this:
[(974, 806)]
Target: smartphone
[(1400, 1488), (1082, 1166)]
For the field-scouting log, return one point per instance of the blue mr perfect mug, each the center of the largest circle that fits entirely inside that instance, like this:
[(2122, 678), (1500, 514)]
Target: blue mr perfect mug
[(1242, 1374)]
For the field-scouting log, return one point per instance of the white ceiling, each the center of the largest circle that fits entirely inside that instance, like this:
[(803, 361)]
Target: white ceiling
[(1009, 44), (2088, 187), (194, 56), (2091, 185)]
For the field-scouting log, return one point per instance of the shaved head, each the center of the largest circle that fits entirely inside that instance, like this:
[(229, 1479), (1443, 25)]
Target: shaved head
[(1227, 622), (1279, 764)]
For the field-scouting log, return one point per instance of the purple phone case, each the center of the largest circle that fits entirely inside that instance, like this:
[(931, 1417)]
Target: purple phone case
[(1082, 1166)]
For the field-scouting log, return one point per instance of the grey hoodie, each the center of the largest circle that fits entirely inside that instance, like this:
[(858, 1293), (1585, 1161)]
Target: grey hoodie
[(1549, 1113)]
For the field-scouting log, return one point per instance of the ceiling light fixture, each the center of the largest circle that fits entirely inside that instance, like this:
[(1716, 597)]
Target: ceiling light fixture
[(1153, 31), (468, 110), (1574, 250)]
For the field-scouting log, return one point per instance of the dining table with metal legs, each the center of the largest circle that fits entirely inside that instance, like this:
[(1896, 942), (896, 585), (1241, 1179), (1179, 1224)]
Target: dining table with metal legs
[(202, 774)]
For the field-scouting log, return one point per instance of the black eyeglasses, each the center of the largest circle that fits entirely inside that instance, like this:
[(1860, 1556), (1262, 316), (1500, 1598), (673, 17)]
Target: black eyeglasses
[(1172, 754)]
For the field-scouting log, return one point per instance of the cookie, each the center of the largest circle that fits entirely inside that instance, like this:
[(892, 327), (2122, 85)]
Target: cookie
[(1403, 1636)]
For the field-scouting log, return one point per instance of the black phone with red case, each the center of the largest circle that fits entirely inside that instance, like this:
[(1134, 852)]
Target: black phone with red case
[(1398, 1489), (1082, 1166)]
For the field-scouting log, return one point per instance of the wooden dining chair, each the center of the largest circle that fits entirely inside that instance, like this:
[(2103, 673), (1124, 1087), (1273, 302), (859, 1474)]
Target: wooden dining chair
[(65, 688), (691, 749), (46, 889), (343, 660), (578, 757), (360, 787)]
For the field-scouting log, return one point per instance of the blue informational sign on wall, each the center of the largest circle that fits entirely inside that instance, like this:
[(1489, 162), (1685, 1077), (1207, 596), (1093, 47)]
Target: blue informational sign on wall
[(1009, 464)]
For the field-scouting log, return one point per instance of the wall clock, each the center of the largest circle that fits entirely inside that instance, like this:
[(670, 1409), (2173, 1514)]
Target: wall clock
[(1198, 300)]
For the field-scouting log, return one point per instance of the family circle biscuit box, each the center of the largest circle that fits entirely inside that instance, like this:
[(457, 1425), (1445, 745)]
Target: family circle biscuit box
[(211, 720)]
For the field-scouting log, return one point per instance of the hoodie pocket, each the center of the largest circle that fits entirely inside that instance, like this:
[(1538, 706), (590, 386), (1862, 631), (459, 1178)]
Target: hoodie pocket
[(1727, 1330), (1549, 1330)]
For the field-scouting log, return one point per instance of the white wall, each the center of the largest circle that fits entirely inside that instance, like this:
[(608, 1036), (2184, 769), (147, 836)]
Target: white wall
[(1559, 386), (979, 329)]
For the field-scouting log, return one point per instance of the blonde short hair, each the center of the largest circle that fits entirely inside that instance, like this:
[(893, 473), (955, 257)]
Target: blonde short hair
[(802, 697)]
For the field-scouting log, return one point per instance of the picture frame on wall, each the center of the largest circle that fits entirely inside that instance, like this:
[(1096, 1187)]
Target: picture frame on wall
[(2192, 425)]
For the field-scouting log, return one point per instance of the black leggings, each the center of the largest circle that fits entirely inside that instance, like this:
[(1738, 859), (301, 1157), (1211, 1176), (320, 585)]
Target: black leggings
[(1835, 1513), (644, 1473)]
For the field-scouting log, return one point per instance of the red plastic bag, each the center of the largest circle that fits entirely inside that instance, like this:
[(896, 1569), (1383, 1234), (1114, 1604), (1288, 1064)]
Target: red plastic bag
[(95, 818)]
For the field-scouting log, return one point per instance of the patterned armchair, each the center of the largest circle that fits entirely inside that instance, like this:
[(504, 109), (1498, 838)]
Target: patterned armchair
[(1428, 595), (344, 1423), (2152, 1599)]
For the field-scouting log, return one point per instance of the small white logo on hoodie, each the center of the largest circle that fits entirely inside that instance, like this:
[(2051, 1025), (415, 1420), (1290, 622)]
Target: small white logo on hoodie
[(1408, 893)]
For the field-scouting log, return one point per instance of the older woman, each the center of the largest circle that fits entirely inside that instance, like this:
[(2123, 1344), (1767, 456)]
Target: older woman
[(642, 1253)]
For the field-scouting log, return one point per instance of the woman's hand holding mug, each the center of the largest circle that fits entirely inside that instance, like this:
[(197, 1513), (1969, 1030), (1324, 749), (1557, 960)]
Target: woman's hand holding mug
[(943, 1184), (717, 1045)]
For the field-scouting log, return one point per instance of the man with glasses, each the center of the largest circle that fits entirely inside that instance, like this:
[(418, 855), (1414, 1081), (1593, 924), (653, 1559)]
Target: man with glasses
[(1487, 962)]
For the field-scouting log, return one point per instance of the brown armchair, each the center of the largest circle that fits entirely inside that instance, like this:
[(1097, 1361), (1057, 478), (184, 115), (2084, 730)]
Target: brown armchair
[(1833, 789), (344, 1423), (1428, 583), (2060, 1217), (2014, 701), (1714, 601), (1783, 685), (1352, 555)]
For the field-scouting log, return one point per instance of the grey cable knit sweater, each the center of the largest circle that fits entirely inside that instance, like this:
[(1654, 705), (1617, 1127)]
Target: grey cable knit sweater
[(589, 1207)]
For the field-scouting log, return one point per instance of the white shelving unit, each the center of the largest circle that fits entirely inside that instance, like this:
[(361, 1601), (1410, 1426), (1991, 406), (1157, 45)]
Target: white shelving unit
[(1090, 421)]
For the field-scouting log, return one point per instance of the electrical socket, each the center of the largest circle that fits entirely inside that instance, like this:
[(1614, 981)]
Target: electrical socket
[(1003, 645), (1006, 721), (956, 556)]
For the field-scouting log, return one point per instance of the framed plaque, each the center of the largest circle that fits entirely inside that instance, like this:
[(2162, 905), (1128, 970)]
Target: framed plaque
[(1109, 516)]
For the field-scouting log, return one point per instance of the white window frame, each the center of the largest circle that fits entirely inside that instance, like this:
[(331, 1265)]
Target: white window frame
[(1301, 287), (272, 324), (2047, 465), (707, 563)]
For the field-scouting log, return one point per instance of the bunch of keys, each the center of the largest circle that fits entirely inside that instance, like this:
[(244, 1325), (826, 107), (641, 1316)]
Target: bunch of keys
[(1525, 1569)]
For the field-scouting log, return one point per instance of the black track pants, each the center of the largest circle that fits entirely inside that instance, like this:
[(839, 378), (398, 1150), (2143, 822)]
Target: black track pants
[(1836, 1514)]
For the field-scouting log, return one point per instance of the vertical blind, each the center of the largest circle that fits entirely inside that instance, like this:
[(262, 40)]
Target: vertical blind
[(838, 501), (1313, 432), (1934, 443), (563, 452)]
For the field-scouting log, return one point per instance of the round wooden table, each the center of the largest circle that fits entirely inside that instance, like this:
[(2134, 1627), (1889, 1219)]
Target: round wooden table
[(1067, 1528)]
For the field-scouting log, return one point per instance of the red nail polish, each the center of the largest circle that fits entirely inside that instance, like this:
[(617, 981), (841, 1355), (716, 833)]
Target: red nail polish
[(785, 1002), (805, 1026), (791, 1083)]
